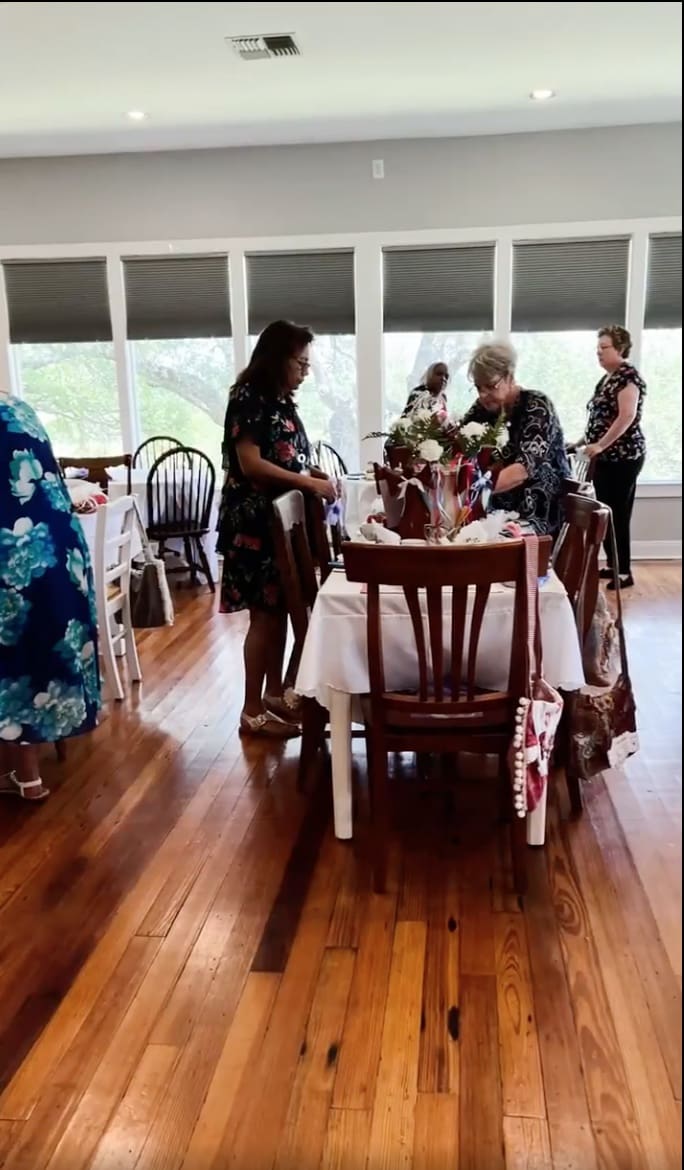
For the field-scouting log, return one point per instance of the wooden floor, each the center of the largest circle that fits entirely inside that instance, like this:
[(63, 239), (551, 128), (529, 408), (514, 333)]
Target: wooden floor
[(194, 974)]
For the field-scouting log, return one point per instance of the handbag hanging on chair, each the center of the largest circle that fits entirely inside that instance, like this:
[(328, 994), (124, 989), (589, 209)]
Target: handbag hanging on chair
[(539, 712), (602, 729), (151, 604)]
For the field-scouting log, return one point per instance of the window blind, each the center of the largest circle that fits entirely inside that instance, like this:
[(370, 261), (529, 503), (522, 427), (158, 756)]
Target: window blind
[(309, 288), (177, 296), (664, 283), (569, 284), (438, 289), (57, 300)]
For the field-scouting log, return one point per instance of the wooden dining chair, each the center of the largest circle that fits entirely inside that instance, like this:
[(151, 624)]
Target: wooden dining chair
[(448, 713), (300, 585), (576, 555), (149, 451), (97, 468), (180, 491), (329, 461), (113, 562), (575, 562), (321, 544)]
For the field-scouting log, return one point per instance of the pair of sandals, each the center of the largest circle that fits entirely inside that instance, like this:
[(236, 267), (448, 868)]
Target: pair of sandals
[(33, 791), (280, 719)]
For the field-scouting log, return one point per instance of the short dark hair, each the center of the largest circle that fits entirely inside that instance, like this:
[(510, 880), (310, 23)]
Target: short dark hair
[(276, 345), (620, 337)]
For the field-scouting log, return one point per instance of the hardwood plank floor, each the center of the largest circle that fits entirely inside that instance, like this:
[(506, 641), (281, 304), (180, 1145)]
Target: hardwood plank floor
[(194, 975)]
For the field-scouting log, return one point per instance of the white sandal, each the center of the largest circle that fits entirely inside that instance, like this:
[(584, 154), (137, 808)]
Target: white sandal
[(288, 706), (18, 788), (268, 725)]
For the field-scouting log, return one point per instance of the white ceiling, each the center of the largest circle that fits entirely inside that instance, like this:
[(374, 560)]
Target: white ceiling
[(69, 72)]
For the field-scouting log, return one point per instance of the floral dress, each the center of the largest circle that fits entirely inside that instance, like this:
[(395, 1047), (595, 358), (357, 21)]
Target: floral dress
[(250, 575), (49, 674), (535, 440)]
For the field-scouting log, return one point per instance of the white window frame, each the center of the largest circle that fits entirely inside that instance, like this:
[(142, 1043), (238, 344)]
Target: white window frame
[(367, 247)]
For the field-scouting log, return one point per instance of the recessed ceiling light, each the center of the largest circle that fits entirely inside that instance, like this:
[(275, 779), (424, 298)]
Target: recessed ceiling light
[(542, 95), (137, 115)]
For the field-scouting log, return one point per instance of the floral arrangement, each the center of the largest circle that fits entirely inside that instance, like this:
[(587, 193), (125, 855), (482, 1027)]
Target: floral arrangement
[(449, 461), (435, 437)]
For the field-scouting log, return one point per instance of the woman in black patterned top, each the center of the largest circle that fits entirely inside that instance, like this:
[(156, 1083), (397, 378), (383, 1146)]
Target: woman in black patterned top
[(535, 464), (265, 452), (615, 440)]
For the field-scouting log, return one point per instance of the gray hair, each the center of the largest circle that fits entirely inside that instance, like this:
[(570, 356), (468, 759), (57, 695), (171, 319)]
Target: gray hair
[(431, 369), (492, 361)]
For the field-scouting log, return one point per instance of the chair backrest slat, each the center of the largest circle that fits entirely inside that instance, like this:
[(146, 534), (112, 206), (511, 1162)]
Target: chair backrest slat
[(413, 603), (329, 460), (459, 603), (481, 598)]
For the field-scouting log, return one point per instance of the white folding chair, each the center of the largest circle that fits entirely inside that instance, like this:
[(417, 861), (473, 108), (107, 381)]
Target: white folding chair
[(113, 556)]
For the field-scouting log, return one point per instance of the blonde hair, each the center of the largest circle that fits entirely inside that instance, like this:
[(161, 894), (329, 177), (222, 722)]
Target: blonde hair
[(492, 361)]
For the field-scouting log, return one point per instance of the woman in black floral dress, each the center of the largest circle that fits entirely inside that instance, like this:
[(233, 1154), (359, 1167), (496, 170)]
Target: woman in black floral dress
[(615, 440), (534, 464), (265, 453)]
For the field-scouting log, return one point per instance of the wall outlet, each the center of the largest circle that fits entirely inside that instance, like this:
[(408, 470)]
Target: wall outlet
[(378, 168)]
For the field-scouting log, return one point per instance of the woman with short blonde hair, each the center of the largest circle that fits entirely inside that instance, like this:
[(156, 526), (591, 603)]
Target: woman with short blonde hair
[(530, 479)]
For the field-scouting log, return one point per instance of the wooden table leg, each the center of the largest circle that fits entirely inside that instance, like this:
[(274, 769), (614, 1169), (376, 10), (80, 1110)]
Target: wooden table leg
[(340, 750)]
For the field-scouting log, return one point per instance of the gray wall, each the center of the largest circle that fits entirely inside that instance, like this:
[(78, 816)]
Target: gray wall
[(616, 173)]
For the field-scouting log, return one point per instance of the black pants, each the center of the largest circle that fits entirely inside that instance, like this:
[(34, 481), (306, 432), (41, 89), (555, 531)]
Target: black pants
[(615, 485)]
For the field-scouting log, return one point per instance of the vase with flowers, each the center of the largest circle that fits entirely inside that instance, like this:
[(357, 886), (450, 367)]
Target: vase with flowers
[(453, 464)]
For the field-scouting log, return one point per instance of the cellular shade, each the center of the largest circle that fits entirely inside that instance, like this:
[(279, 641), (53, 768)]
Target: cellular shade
[(177, 296), (664, 287), (438, 289), (309, 288), (57, 300), (569, 284)]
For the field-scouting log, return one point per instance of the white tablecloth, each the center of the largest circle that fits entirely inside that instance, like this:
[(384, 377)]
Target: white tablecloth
[(334, 664)]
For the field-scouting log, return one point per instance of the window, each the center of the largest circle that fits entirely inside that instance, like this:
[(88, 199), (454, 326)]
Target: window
[(661, 366), (73, 388), (62, 335), (315, 289), (661, 359), (178, 320), (407, 356), (437, 305), (182, 389), (563, 366), (327, 401)]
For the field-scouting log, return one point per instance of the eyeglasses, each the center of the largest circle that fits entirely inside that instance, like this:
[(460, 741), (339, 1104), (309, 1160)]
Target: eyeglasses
[(490, 387), (303, 364)]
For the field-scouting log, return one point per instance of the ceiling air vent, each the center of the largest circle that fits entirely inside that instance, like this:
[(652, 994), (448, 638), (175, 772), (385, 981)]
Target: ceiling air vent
[(261, 48)]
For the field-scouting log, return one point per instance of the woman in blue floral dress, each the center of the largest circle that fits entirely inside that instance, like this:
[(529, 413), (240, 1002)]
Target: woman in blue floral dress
[(265, 453), (49, 673)]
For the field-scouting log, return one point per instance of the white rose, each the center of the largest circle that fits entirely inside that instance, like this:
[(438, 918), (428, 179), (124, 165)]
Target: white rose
[(473, 430), (431, 451), (422, 416)]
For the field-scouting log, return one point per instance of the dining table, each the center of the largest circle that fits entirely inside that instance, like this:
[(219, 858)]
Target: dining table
[(334, 663)]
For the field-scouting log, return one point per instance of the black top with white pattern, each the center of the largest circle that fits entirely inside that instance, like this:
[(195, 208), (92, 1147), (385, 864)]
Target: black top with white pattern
[(604, 409), (536, 441)]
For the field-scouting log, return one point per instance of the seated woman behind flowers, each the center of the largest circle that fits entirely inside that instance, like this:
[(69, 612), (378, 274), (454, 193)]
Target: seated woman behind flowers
[(534, 463)]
